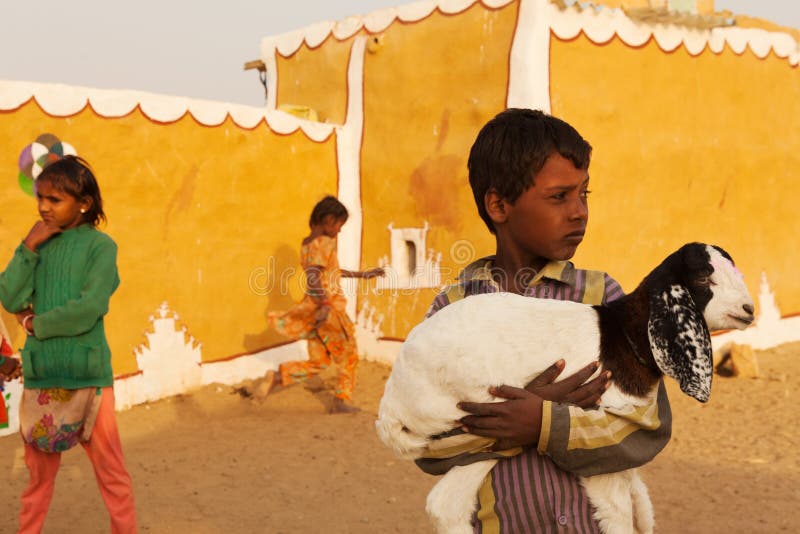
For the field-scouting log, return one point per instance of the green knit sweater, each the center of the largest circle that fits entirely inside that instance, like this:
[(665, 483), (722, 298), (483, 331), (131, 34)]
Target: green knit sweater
[(69, 281)]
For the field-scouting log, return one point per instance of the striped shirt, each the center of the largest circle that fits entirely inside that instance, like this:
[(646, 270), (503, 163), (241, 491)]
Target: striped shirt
[(537, 490)]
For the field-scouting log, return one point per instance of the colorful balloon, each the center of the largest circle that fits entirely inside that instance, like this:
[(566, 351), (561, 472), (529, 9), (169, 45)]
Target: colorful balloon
[(35, 157)]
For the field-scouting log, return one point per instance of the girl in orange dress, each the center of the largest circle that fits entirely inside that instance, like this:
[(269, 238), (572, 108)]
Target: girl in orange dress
[(321, 317)]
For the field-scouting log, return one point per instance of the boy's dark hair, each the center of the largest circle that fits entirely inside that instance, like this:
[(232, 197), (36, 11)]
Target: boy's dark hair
[(329, 205), (513, 147), (72, 175)]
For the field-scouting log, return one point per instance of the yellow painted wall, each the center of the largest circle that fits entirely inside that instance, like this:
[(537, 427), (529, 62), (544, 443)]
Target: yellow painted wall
[(210, 218), (195, 210), (317, 78), (686, 149), (679, 143), (427, 92)]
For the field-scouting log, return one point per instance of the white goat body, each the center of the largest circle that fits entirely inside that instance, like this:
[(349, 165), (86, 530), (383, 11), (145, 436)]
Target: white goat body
[(452, 360), (455, 356)]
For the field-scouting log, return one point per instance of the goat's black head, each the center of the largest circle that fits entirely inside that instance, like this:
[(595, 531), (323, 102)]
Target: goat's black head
[(696, 289)]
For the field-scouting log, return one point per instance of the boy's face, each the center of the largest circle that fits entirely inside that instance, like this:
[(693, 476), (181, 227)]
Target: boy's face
[(549, 219)]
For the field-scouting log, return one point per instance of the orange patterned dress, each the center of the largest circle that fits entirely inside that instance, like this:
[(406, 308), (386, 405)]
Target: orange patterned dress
[(334, 340)]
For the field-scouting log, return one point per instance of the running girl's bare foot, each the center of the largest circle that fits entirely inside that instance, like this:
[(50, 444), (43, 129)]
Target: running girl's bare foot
[(266, 385), (314, 384), (340, 406)]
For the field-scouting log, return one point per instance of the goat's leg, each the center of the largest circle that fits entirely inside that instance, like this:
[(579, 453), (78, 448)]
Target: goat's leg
[(611, 497), (453, 499), (642, 506)]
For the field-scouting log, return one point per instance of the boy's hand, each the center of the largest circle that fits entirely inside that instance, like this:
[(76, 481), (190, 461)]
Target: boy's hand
[(517, 421), (572, 389), (514, 422)]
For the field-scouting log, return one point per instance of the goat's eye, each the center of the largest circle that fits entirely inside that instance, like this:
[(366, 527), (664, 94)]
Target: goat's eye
[(704, 281)]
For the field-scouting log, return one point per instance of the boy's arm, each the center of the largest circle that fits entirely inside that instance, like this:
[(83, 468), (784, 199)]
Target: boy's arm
[(79, 315), (499, 429), (585, 442), (592, 442), (520, 420), (16, 282)]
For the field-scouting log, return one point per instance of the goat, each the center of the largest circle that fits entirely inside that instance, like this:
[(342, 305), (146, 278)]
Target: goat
[(662, 327)]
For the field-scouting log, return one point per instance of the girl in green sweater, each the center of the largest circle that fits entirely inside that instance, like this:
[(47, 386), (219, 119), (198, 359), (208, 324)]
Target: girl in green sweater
[(58, 283)]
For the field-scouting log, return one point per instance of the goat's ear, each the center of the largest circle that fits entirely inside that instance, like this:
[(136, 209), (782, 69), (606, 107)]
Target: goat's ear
[(680, 341)]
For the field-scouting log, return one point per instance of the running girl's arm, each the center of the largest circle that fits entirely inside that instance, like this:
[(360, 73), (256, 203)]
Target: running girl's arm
[(79, 315), (369, 273), (316, 291)]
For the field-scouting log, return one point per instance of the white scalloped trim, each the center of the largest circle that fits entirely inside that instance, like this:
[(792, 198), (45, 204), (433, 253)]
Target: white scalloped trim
[(66, 100), (600, 25), (288, 43)]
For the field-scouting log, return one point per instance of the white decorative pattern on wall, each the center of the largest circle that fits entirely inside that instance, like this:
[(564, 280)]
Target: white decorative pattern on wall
[(411, 264), (169, 363), (769, 329), (371, 344)]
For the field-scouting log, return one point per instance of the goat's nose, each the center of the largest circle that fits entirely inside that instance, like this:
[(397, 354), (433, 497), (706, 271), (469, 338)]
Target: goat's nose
[(748, 308)]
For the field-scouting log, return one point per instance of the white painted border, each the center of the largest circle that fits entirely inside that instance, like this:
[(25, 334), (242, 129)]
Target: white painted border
[(287, 44), (529, 70), (599, 24), (602, 25), (66, 100), (348, 151)]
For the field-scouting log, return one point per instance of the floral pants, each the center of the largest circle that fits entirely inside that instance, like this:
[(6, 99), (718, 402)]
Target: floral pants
[(332, 342)]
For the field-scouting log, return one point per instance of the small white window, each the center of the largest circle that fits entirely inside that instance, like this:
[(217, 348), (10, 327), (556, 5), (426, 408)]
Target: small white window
[(409, 264)]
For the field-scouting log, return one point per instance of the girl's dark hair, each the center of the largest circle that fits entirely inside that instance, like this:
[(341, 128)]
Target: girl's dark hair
[(512, 148), (329, 205), (72, 175)]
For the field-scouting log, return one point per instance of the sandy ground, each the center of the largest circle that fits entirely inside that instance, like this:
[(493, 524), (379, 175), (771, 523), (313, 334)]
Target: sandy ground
[(213, 461)]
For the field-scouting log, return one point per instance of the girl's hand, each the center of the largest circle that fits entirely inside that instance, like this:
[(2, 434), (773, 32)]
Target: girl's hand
[(39, 233), (21, 315), (373, 273), (10, 369)]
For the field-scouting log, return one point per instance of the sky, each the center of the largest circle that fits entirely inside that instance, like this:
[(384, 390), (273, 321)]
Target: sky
[(193, 48)]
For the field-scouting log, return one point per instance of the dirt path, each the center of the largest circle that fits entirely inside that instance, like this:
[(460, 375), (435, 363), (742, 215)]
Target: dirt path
[(213, 462)]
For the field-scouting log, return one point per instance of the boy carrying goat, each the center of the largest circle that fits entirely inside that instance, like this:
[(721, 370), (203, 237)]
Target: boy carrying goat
[(529, 176)]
